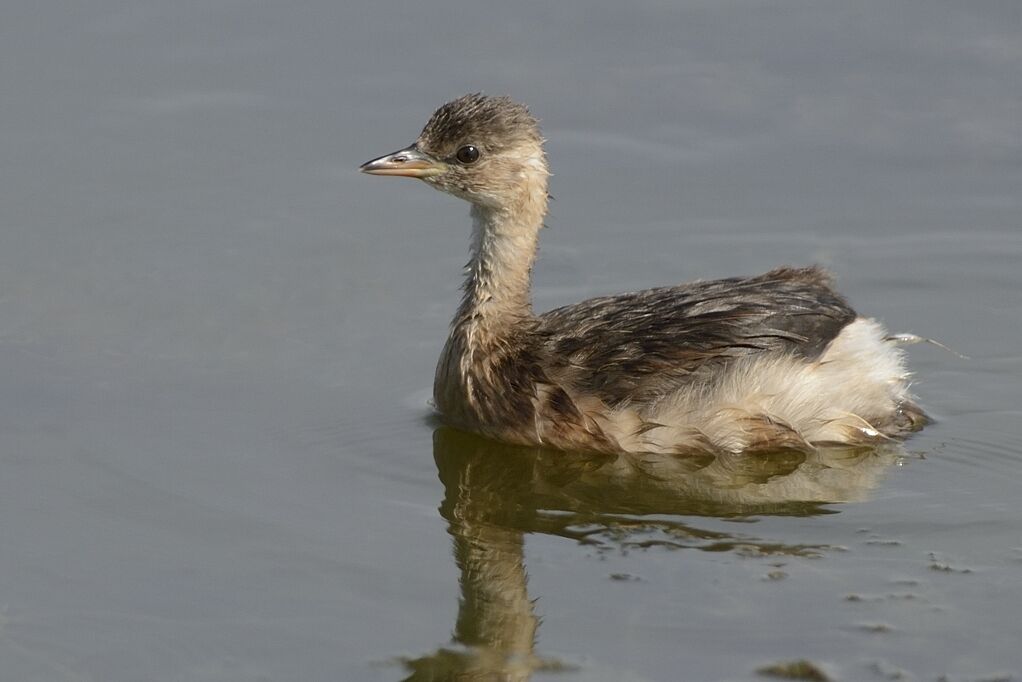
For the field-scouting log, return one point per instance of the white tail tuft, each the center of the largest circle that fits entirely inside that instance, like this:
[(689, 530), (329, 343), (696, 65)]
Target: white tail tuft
[(909, 339)]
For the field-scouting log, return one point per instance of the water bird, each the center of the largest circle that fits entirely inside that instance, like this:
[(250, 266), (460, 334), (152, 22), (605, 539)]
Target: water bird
[(773, 362)]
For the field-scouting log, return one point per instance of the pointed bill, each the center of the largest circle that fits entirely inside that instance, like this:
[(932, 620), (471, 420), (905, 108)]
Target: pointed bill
[(408, 162)]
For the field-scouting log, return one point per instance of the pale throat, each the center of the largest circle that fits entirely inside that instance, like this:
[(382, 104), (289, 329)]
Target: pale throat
[(499, 274)]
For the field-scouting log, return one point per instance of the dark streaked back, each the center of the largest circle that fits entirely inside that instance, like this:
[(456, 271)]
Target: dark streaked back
[(640, 346)]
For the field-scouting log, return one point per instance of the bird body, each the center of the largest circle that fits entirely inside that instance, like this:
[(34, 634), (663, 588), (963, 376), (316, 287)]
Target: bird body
[(778, 361)]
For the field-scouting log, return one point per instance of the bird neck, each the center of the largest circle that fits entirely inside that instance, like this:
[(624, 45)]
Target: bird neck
[(496, 309), (499, 275)]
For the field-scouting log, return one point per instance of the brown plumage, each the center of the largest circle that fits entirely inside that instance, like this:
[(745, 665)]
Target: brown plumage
[(778, 361)]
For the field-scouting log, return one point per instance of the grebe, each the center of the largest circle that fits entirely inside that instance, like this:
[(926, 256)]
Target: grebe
[(778, 361)]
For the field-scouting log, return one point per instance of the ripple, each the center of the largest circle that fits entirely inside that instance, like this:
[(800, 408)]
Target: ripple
[(1003, 456)]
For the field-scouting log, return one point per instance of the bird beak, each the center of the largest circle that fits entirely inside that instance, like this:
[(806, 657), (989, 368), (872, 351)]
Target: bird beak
[(409, 162)]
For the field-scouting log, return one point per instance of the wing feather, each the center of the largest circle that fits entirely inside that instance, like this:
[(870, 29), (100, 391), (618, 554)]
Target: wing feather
[(636, 347)]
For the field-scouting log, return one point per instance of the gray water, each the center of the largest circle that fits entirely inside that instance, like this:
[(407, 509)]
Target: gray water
[(217, 341)]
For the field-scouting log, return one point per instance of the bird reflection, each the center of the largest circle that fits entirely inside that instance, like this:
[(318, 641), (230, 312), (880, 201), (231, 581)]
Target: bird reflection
[(495, 494)]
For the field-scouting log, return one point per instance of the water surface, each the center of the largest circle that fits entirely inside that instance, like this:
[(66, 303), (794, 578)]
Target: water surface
[(217, 341)]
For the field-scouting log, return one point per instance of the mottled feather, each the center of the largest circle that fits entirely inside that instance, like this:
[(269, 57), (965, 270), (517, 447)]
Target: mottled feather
[(639, 346)]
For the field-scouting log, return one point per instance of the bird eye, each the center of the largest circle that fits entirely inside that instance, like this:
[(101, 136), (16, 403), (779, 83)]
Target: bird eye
[(467, 154)]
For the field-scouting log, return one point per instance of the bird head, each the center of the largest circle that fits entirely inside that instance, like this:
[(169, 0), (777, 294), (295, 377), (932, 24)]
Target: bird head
[(485, 150)]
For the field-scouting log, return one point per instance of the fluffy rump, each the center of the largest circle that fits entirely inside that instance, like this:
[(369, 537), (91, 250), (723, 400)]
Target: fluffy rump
[(855, 393)]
